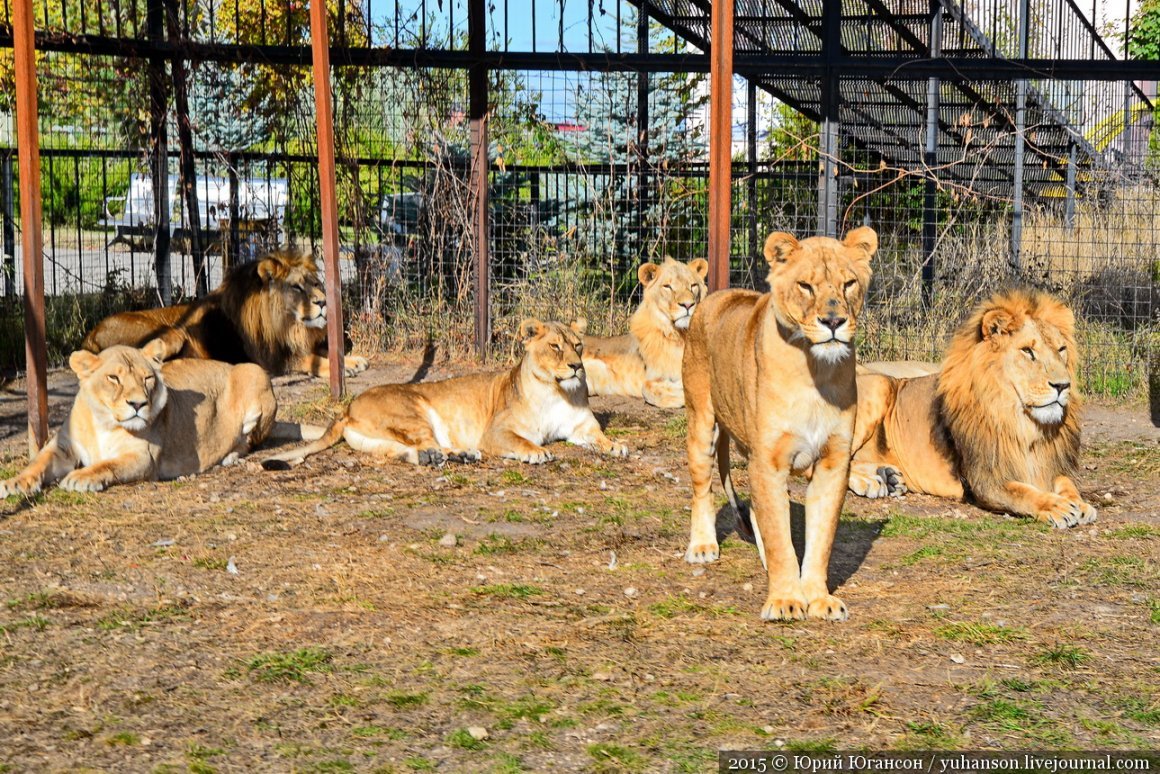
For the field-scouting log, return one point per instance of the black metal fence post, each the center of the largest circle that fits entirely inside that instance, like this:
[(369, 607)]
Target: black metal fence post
[(159, 150), (8, 208)]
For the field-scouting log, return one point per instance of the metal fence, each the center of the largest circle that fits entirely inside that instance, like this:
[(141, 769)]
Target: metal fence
[(598, 145)]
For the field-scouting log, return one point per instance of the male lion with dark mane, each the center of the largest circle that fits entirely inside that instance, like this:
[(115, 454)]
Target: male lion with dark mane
[(509, 414), (271, 312), (999, 422), (775, 372), (646, 361)]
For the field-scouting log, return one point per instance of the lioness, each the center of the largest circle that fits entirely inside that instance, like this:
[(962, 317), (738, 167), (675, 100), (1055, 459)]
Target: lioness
[(508, 414), (271, 312), (775, 372), (136, 418), (1000, 417), (646, 361)]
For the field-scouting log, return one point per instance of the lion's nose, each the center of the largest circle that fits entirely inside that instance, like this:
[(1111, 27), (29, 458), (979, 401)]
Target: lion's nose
[(832, 322), (136, 404), (688, 305), (320, 302), (1060, 386)]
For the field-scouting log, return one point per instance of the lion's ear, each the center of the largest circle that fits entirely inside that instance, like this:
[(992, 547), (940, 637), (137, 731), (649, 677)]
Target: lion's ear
[(998, 322), (271, 268), (83, 363), (700, 267), (779, 246), (647, 273), (862, 238), (157, 350), (530, 329), (580, 325)]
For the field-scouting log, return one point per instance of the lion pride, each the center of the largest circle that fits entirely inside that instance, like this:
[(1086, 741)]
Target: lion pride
[(998, 423), (775, 373), (271, 312)]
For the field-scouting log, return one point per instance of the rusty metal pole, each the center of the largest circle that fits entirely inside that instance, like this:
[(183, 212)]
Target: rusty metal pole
[(28, 147), (320, 43), (720, 142), (477, 113)]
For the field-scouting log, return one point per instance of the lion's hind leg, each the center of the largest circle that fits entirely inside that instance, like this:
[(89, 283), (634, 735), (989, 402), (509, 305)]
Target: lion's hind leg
[(385, 442), (701, 447)]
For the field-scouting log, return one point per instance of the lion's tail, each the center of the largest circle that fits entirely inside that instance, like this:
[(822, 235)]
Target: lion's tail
[(289, 459)]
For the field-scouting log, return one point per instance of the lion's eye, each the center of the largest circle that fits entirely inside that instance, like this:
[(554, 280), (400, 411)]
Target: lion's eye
[(851, 284), (579, 348), (668, 288), (806, 288), (557, 347), (1029, 352), (114, 379), (299, 288)]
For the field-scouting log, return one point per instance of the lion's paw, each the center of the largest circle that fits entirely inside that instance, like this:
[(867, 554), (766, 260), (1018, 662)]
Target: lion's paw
[(432, 457), (702, 552), (1061, 513), (1087, 513), (355, 364), (617, 449), (83, 481), (534, 458), (465, 456), (886, 481), (22, 485), (828, 608), (783, 608)]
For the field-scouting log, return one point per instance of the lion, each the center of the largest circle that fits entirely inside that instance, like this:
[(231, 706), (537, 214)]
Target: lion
[(775, 372), (646, 361), (509, 414), (999, 423), (271, 312), (137, 418)]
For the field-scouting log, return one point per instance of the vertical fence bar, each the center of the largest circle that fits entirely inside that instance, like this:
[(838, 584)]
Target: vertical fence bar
[(720, 142), (328, 197), (159, 139), (193, 224), (1020, 146), (930, 160), (477, 114), (8, 212), (642, 119), (831, 102), (28, 147), (755, 259)]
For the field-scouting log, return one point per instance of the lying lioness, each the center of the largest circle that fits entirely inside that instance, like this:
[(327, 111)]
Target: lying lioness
[(138, 419), (508, 414)]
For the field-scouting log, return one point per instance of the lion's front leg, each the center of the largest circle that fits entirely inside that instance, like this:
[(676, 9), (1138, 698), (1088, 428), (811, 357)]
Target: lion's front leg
[(769, 477), (318, 364), (134, 465), (504, 442), (1066, 488), (1027, 500), (589, 435), (664, 393), (49, 464), (824, 497)]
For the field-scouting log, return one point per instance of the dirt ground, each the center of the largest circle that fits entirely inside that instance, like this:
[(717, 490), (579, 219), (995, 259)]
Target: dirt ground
[(321, 619)]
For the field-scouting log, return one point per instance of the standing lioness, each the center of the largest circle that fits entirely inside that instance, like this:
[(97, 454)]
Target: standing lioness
[(775, 373)]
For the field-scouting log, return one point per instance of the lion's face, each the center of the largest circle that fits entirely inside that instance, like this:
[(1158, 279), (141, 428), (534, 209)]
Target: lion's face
[(1035, 358), (674, 289), (295, 280), (554, 350), (123, 383), (818, 286)]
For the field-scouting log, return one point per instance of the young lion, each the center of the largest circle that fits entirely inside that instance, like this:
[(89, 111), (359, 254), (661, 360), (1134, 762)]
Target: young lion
[(646, 361), (509, 414), (999, 417), (775, 372), (138, 419)]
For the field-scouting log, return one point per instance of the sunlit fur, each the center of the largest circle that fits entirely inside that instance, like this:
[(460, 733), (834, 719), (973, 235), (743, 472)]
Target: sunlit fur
[(999, 422), (136, 418), (511, 414), (646, 361), (271, 312), (989, 387)]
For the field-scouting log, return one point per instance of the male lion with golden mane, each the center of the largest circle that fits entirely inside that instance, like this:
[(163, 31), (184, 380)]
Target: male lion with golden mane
[(998, 422), (507, 414), (136, 418), (646, 361), (775, 372), (271, 312)]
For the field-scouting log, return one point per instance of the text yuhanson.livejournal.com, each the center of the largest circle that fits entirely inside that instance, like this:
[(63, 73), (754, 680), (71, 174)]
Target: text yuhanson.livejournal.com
[(936, 762)]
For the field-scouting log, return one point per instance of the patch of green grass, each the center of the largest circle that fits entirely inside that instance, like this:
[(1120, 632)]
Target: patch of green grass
[(419, 763), (37, 600), (507, 763), (1154, 609), (289, 667), (613, 757), (1135, 532), (981, 633), (1131, 571), (502, 544), (58, 496), (402, 700), (824, 744), (464, 652), (919, 527), (35, 622), (1113, 383), (677, 427), (511, 476), (457, 479), (508, 590), (370, 732), (1063, 656), (1020, 685), (674, 606), (463, 739), (926, 552), (123, 738), (210, 562), (1023, 717), (1141, 709), (340, 700), (333, 765), (928, 735)]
